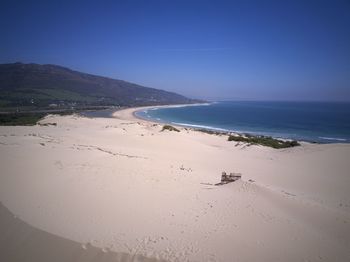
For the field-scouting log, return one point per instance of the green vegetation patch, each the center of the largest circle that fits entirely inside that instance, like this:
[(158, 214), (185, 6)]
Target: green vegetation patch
[(211, 132), (170, 128), (3, 103), (65, 95), (264, 141), (22, 119)]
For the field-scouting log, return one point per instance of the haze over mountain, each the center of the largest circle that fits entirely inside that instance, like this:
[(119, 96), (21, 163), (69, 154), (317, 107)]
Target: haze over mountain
[(43, 85)]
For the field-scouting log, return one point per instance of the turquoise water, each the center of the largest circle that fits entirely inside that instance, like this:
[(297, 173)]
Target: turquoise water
[(323, 122)]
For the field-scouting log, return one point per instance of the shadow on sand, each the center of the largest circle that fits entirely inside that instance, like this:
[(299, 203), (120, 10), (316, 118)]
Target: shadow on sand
[(20, 242)]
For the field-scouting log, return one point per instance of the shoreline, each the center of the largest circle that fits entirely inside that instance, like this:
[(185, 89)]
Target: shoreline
[(224, 131), (207, 130), (247, 139), (163, 106)]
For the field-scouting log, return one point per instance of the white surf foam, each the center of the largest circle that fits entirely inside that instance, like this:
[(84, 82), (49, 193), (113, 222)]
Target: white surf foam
[(332, 138), (201, 126)]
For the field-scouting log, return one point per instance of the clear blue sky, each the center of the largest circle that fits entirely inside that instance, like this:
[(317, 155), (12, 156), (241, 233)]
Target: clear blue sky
[(260, 50)]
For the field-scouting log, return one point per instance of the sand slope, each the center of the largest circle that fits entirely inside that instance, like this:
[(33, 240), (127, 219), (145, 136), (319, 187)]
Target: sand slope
[(21, 242), (123, 185)]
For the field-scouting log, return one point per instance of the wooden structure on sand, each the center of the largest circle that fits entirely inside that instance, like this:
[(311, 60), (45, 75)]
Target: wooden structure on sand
[(232, 177)]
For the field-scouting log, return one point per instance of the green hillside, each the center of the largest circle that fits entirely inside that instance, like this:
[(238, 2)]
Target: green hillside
[(34, 86)]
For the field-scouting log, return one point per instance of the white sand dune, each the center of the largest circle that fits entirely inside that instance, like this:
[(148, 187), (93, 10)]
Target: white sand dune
[(123, 185)]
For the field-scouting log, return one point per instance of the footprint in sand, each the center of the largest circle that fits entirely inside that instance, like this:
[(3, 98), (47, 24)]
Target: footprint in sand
[(59, 164)]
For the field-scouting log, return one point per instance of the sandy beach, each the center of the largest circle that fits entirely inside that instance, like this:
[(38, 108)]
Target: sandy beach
[(122, 189)]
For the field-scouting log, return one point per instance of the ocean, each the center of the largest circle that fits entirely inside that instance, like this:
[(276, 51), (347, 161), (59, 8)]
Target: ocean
[(323, 122)]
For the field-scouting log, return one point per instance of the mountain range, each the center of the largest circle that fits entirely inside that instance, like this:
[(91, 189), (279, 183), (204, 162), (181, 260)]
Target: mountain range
[(41, 86)]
